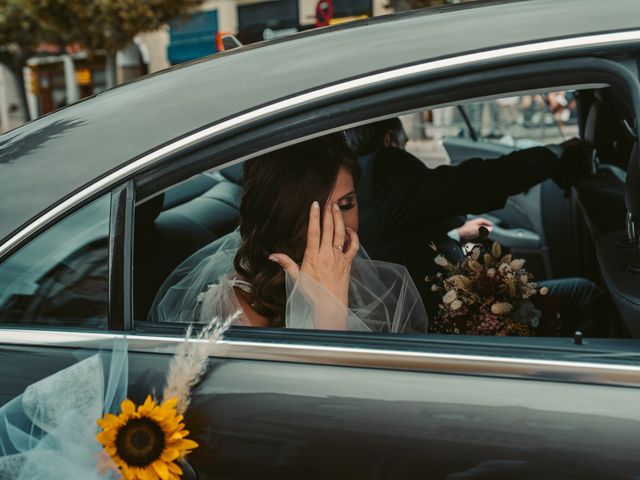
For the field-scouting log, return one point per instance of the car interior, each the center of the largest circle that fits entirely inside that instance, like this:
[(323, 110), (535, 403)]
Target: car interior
[(581, 232)]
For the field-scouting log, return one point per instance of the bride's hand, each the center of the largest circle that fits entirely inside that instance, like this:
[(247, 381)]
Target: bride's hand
[(324, 259)]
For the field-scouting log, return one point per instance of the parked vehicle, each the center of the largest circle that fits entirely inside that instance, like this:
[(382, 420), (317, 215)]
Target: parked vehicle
[(101, 200)]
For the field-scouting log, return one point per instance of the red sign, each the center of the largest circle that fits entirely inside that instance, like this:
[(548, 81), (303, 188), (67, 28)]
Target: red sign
[(324, 12)]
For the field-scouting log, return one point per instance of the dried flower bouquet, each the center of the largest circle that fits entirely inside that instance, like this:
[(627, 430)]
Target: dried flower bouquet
[(490, 293)]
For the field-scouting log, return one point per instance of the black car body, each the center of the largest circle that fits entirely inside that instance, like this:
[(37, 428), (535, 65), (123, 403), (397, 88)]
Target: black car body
[(285, 404)]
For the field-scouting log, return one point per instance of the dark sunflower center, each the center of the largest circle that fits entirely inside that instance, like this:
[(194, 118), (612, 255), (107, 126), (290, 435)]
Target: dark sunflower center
[(140, 442)]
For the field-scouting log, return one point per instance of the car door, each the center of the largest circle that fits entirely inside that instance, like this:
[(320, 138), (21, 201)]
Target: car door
[(283, 403), (53, 290)]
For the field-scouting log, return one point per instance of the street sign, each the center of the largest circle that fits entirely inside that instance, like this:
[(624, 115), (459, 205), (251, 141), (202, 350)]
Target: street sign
[(324, 12)]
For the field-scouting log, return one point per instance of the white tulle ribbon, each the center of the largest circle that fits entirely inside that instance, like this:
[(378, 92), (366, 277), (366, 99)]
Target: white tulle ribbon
[(49, 432)]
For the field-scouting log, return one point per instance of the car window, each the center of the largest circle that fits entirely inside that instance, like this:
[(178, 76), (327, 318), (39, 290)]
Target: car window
[(61, 277), (520, 121), (187, 219)]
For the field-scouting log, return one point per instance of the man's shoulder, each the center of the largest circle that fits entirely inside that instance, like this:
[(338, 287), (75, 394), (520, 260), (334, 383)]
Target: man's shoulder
[(396, 159)]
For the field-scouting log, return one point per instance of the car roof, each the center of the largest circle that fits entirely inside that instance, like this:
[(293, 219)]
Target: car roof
[(46, 160)]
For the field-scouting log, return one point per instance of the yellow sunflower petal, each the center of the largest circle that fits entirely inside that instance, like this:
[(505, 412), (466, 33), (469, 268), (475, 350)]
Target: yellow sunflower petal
[(161, 469), (174, 468), (171, 403), (109, 420), (186, 444), (147, 407), (179, 435), (146, 474), (169, 454), (128, 407)]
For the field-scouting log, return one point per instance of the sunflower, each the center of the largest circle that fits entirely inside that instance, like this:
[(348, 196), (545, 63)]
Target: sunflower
[(145, 442)]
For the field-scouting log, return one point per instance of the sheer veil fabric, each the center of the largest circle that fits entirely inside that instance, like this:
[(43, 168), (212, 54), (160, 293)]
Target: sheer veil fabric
[(49, 432), (382, 296)]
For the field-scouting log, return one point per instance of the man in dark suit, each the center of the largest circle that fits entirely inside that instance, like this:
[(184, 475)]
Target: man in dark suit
[(404, 206)]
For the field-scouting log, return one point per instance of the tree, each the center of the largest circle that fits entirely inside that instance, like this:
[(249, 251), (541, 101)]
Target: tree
[(20, 35), (104, 26)]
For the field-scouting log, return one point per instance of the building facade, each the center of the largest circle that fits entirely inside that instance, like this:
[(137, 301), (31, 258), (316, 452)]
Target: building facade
[(52, 80)]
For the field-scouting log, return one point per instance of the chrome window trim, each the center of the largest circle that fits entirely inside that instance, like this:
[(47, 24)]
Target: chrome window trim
[(429, 362), (588, 41)]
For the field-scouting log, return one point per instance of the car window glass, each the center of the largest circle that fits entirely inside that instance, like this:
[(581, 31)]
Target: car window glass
[(61, 277), (521, 122), (171, 227)]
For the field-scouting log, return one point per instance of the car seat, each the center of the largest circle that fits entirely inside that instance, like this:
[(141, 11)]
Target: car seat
[(171, 227), (618, 255)]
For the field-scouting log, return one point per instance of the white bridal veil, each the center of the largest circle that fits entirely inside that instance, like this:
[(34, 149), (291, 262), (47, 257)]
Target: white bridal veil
[(382, 296)]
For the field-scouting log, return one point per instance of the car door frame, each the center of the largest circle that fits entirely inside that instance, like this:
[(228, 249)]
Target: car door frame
[(552, 363)]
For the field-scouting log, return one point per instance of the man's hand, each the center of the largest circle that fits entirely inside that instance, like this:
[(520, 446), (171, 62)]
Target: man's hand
[(471, 228)]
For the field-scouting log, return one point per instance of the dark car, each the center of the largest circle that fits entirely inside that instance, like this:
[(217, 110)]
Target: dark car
[(102, 200)]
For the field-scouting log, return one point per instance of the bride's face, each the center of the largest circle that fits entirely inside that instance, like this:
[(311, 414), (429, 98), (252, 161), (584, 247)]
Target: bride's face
[(344, 194)]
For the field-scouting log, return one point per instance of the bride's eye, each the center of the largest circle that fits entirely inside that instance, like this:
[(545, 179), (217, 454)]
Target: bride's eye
[(347, 203)]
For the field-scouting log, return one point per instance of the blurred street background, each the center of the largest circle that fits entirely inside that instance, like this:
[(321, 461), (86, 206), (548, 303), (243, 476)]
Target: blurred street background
[(56, 52)]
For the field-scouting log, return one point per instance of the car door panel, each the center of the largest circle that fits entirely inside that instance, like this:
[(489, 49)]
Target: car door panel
[(21, 366), (304, 417), (275, 419)]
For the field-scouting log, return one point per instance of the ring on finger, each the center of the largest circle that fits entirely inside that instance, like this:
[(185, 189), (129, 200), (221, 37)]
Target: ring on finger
[(338, 247)]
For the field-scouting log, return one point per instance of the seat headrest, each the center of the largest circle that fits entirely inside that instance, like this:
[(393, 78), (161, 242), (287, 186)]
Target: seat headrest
[(147, 213), (599, 130), (234, 173)]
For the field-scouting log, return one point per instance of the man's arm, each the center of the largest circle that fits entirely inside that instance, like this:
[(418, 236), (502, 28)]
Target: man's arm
[(407, 192)]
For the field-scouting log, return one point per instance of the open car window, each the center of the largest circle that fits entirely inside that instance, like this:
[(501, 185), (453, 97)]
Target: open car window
[(533, 226)]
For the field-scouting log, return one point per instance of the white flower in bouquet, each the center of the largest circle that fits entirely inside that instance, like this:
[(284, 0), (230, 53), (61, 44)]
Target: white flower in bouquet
[(504, 268), (449, 297), (441, 261), (460, 282), (496, 249), (456, 305), (544, 291), (475, 266), (501, 308), (491, 272), (517, 264)]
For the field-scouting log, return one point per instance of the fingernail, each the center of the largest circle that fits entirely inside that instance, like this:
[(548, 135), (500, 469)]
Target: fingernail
[(336, 207), (273, 258), (316, 205)]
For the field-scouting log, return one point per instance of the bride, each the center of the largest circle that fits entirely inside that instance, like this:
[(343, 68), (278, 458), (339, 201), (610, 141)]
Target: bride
[(295, 260)]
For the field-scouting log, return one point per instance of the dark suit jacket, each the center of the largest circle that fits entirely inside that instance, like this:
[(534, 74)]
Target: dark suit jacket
[(404, 205)]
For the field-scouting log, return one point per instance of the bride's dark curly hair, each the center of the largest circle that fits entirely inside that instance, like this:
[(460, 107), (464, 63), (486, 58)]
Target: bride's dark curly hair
[(279, 188)]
